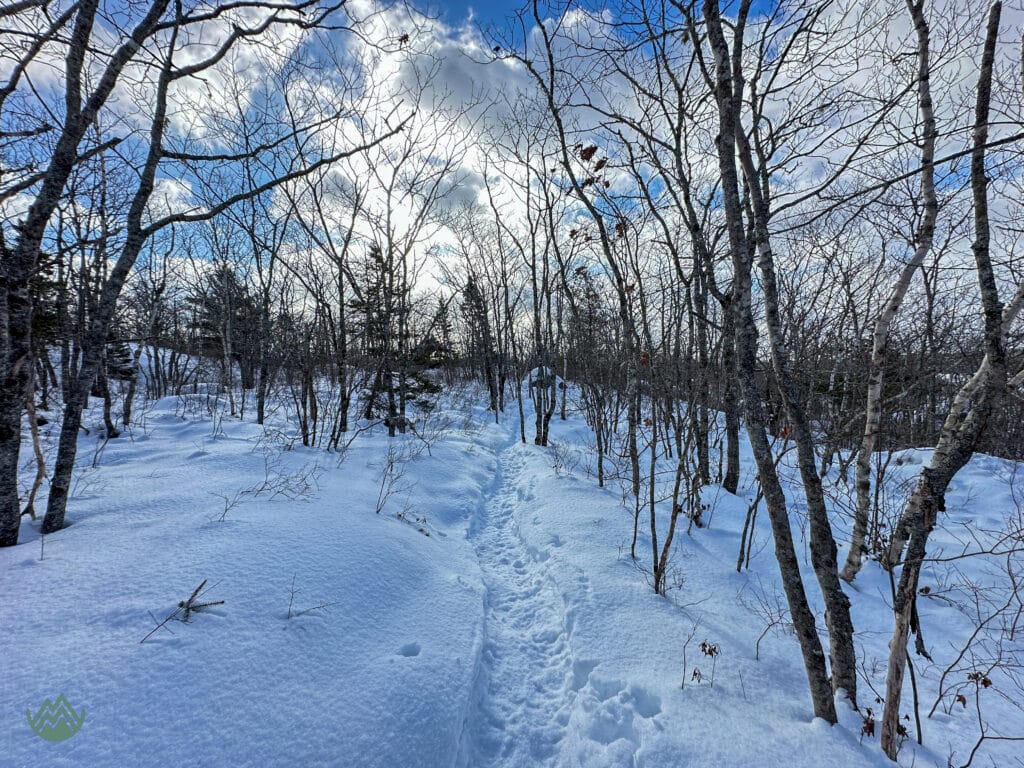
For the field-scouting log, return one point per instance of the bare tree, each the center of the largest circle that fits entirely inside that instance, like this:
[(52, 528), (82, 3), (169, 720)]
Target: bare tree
[(967, 416), (151, 48), (923, 241)]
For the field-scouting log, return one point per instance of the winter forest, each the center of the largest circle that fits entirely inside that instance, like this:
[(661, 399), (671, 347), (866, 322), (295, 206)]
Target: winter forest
[(618, 383)]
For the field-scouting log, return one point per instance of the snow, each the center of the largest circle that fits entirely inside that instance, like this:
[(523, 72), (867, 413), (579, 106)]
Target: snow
[(488, 615)]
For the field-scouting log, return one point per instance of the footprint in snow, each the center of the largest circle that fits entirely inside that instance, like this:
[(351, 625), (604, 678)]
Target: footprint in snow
[(410, 649), (581, 670), (613, 707)]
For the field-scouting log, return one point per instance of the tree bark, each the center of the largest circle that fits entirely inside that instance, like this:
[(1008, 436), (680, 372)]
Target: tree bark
[(727, 88), (824, 559), (965, 422), (730, 402), (879, 340)]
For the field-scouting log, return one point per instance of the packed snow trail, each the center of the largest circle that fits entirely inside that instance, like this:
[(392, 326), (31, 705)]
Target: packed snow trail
[(523, 690)]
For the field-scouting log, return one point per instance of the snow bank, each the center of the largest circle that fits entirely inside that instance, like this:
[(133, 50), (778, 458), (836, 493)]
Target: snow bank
[(488, 615), (379, 677)]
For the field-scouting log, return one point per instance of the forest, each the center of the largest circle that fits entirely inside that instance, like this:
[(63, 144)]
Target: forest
[(767, 250)]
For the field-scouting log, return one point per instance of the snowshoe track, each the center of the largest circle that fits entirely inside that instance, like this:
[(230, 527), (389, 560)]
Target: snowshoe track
[(524, 689)]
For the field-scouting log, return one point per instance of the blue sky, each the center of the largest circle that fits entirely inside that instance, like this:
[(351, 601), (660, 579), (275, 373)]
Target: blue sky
[(495, 11), (484, 11)]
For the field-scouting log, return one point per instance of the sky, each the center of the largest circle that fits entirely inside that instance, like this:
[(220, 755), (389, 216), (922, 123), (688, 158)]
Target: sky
[(483, 11), (496, 10)]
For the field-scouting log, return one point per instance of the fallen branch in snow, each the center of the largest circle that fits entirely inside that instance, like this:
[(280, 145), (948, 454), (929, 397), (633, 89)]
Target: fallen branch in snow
[(419, 522), (184, 610), (159, 625), (190, 605)]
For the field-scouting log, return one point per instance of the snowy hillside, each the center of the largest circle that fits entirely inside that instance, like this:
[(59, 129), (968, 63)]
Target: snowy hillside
[(487, 614)]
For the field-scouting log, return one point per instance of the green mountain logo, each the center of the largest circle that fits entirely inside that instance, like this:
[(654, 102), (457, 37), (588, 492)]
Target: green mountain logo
[(56, 720)]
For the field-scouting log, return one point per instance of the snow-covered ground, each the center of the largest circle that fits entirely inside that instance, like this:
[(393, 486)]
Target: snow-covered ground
[(488, 614)]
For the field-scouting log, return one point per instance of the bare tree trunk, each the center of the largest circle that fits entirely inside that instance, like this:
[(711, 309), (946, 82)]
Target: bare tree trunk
[(842, 653), (824, 556), (37, 450), (12, 403), (67, 448), (727, 88), (633, 419), (262, 385), (966, 419), (133, 385), (37, 481), (565, 380), (151, 327), (730, 402), (700, 395), (103, 387), (924, 237)]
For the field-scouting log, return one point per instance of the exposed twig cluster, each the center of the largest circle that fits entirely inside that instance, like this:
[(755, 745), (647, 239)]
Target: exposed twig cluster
[(193, 604)]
